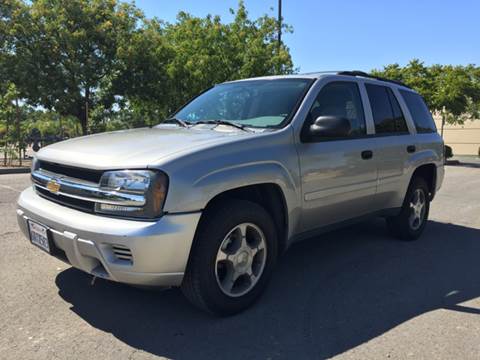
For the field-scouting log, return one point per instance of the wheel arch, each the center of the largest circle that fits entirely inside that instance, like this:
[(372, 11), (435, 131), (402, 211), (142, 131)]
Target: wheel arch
[(268, 195), (429, 173)]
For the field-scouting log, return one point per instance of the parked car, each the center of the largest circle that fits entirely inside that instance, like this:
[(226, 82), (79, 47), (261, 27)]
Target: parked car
[(209, 199)]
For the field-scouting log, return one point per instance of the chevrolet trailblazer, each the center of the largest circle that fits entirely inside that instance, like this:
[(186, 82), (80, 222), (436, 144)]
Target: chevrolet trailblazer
[(208, 199)]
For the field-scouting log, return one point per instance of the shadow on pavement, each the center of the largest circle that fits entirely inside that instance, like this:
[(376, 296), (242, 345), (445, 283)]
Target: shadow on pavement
[(464, 161), (328, 295)]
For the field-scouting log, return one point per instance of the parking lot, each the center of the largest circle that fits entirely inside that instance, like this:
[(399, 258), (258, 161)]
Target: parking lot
[(355, 293)]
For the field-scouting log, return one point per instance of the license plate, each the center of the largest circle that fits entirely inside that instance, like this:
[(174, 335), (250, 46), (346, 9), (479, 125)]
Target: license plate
[(39, 236)]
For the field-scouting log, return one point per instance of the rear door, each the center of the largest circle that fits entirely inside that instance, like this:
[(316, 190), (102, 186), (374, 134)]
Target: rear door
[(393, 143), (338, 175)]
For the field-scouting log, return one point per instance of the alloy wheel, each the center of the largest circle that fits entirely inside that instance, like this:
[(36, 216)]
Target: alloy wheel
[(241, 259), (418, 208)]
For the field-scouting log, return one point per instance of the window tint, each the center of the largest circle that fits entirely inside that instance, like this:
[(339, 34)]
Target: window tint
[(387, 115), (400, 123), (418, 109), (340, 99)]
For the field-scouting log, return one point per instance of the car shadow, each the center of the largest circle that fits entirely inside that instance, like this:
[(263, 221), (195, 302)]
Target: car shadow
[(328, 295)]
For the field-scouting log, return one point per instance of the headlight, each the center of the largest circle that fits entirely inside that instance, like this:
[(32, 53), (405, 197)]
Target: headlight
[(151, 185)]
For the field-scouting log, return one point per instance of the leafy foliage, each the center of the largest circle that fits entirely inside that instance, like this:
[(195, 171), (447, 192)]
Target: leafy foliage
[(94, 59)]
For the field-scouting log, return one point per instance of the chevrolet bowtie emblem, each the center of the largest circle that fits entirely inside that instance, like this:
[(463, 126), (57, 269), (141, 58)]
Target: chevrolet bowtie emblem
[(53, 186)]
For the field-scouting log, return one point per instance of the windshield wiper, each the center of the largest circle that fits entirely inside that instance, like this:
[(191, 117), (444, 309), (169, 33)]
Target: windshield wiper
[(174, 120), (223, 122)]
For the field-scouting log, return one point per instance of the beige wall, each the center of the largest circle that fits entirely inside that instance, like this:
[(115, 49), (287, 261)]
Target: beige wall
[(464, 139)]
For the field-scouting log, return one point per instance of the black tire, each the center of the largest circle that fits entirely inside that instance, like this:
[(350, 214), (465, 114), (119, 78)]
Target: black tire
[(400, 226), (200, 284)]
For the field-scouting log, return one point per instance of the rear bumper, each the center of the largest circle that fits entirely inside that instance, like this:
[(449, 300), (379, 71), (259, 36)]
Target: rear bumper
[(156, 252)]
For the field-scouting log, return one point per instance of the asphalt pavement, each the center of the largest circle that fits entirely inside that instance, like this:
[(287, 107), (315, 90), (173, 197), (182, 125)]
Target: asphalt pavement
[(354, 293)]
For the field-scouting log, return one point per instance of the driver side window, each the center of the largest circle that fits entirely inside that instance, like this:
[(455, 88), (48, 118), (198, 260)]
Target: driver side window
[(342, 99)]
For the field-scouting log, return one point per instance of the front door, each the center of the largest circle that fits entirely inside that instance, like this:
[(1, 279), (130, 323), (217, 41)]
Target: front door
[(338, 175)]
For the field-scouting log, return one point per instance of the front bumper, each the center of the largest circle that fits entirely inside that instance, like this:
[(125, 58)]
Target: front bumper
[(151, 253)]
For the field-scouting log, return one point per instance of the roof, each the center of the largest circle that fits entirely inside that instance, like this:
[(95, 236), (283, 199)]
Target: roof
[(319, 74)]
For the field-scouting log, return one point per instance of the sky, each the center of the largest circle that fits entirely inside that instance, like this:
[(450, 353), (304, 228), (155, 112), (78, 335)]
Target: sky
[(357, 35)]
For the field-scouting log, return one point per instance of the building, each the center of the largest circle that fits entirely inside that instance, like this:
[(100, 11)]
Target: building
[(463, 139)]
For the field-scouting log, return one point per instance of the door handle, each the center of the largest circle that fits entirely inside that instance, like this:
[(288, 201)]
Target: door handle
[(367, 154), (411, 148)]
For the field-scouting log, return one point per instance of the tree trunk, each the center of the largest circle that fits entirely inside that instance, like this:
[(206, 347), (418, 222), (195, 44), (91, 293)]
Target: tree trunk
[(5, 149), (61, 126), (443, 124), (84, 119), (19, 135)]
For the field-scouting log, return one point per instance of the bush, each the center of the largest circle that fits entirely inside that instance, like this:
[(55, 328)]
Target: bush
[(448, 152)]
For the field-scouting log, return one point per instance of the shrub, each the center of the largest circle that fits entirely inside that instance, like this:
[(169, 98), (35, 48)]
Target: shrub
[(448, 152)]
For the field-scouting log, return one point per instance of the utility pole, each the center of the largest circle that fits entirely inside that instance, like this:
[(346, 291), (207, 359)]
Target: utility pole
[(279, 40), (279, 24)]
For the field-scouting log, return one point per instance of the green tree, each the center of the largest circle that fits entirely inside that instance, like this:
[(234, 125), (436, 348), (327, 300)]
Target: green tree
[(103, 63), (208, 51), (11, 115), (50, 124), (11, 76), (142, 86), (165, 64), (70, 47)]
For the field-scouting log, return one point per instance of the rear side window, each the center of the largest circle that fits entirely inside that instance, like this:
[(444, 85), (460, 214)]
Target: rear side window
[(387, 115), (418, 109)]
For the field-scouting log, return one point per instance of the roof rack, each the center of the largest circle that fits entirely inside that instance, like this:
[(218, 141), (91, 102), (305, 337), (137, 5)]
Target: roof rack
[(320, 72), (364, 74)]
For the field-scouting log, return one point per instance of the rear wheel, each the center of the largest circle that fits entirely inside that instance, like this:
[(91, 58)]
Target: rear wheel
[(410, 223), (232, 257)]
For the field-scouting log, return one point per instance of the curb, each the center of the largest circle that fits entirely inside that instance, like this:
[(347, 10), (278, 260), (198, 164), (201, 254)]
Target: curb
[(452, 162), (462, 164), (19, 170)]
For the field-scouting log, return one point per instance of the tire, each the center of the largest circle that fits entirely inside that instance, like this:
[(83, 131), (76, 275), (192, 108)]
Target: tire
[(221, 251), (402, 226)]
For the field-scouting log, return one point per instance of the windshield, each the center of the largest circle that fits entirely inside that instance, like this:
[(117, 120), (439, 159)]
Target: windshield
[(256, 103)]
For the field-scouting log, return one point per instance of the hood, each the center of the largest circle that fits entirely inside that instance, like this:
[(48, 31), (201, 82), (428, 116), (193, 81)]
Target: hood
[(137, 148)]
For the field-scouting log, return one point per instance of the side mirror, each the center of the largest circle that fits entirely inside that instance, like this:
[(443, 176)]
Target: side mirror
[(330, 127)]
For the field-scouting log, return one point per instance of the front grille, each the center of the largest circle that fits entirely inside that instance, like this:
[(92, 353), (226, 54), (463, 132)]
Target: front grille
[(122, 253), (70, 202), (70, 171)]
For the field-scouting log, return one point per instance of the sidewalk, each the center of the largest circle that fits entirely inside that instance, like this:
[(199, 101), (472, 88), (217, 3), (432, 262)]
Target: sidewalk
[(16, 168)]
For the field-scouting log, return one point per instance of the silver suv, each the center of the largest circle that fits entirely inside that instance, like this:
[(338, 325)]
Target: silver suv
[(209, 199)]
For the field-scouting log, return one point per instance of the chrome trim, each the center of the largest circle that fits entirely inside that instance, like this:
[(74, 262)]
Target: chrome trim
[(85, 190)]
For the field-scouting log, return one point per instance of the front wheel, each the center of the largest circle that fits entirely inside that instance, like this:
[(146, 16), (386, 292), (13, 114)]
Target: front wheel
[(232, 258), (410, 223)]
